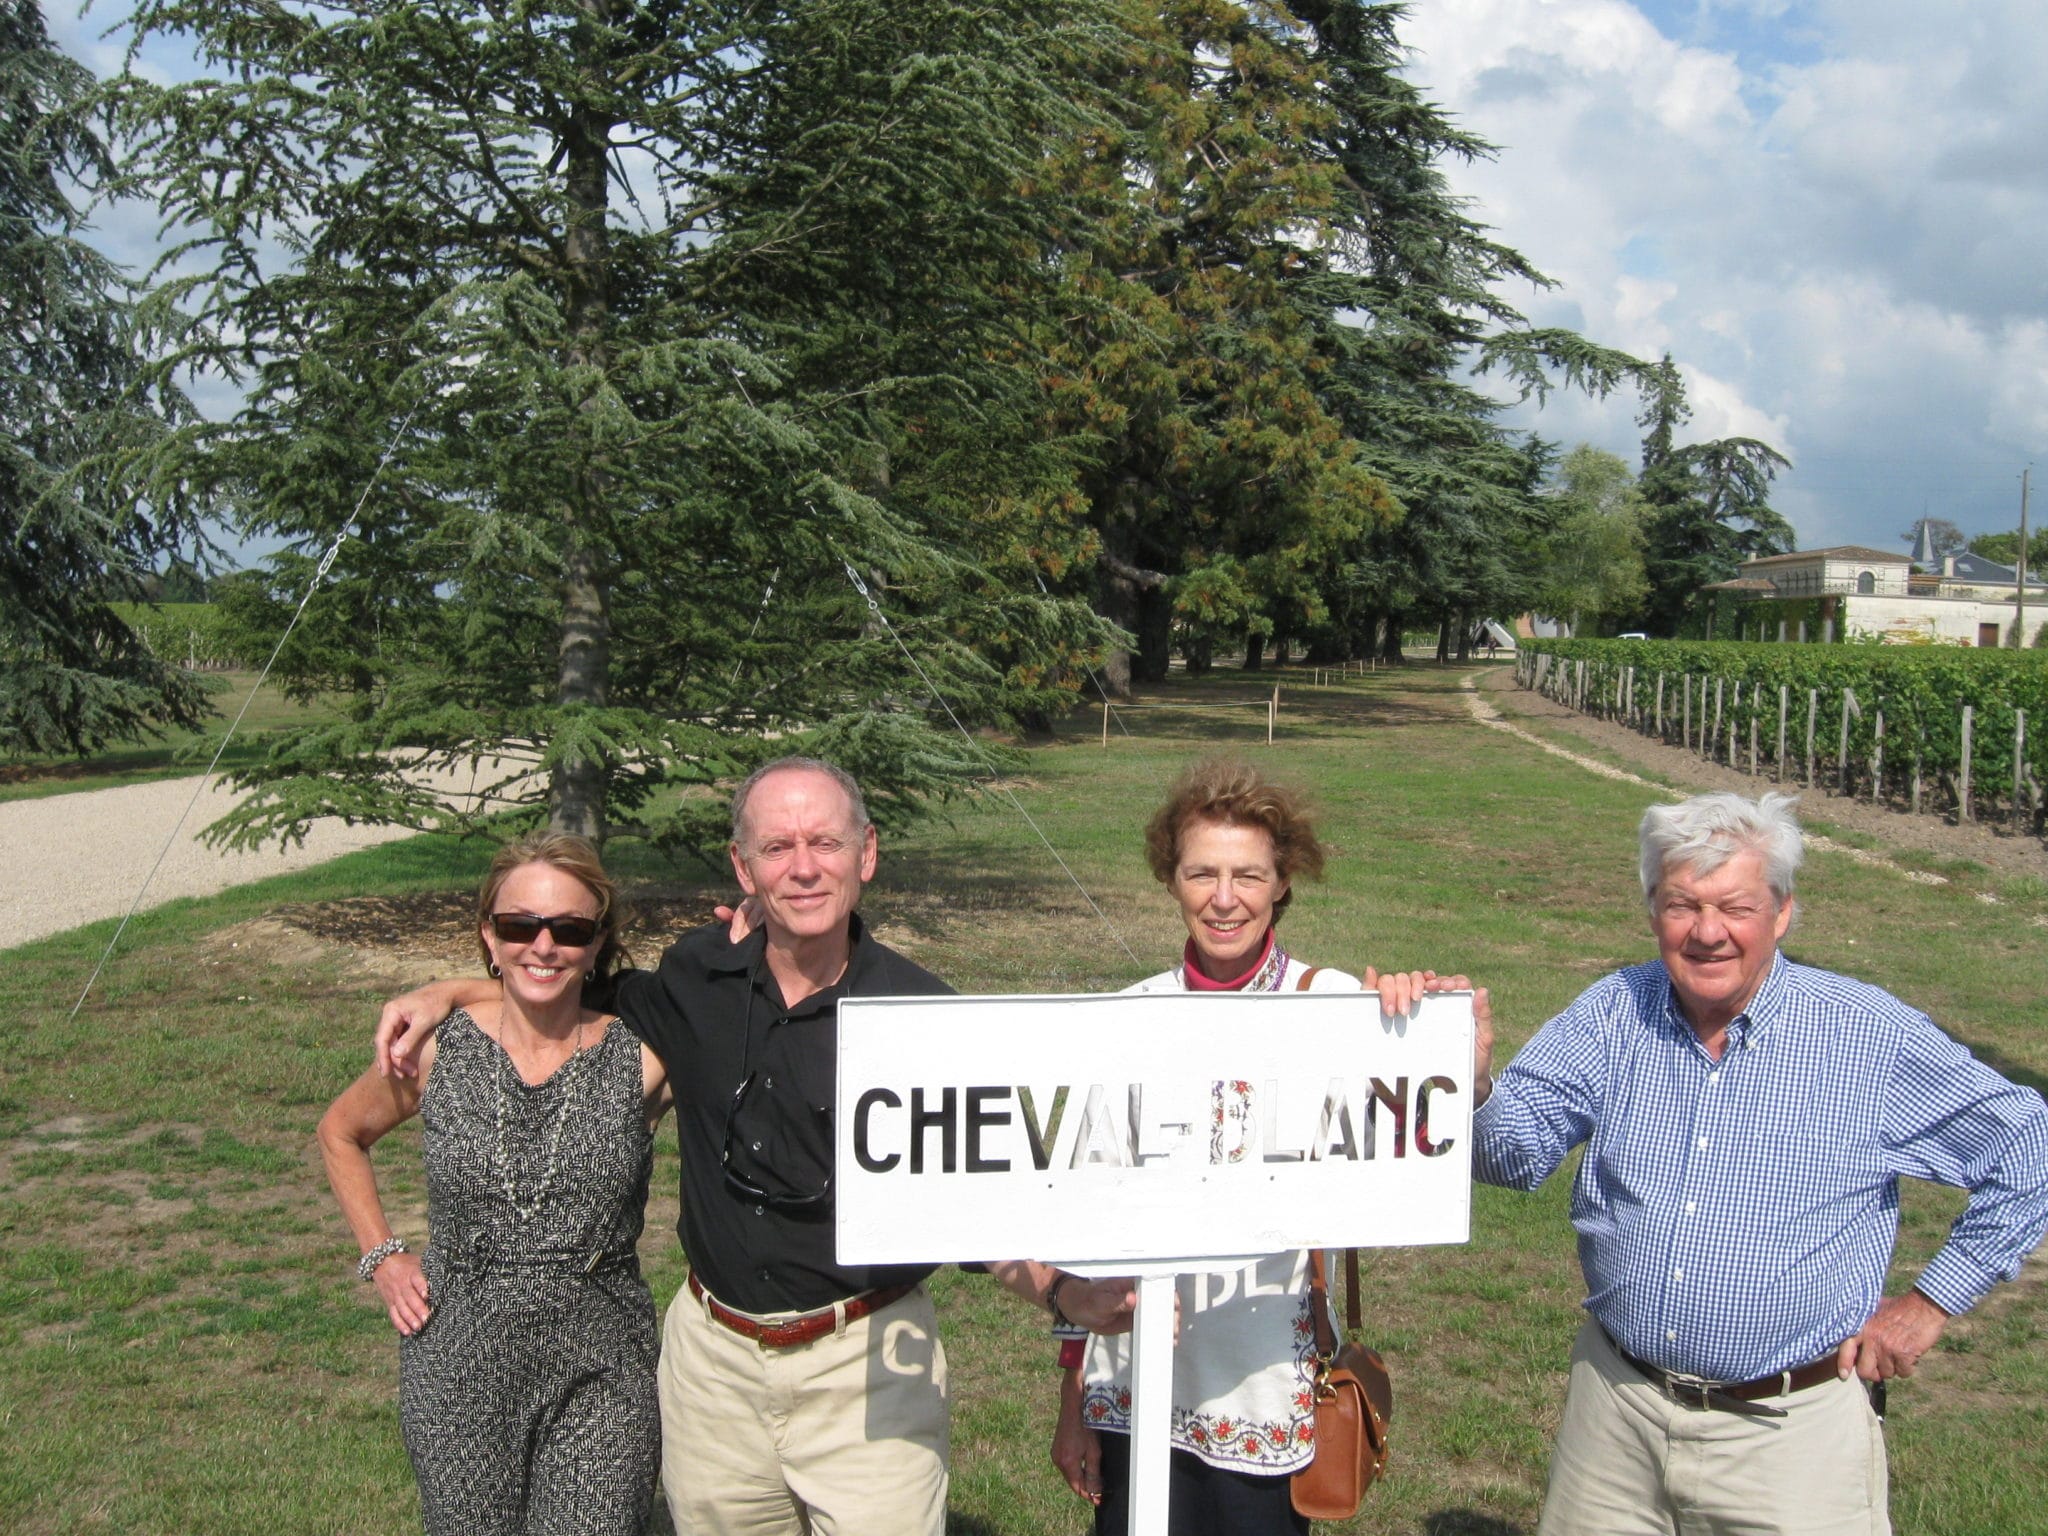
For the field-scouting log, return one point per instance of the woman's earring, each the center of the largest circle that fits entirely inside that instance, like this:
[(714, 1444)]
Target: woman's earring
[(493, 969)]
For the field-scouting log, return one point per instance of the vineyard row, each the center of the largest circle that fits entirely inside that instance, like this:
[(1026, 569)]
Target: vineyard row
[(1942, 731)]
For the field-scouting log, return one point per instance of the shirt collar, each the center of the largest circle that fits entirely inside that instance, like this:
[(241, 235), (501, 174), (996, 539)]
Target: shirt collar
[(1747, 1026), (1195, 981), (748, 955)]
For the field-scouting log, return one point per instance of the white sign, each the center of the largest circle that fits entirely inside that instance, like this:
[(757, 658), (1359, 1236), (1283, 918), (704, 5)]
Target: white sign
[(1149, 1127)]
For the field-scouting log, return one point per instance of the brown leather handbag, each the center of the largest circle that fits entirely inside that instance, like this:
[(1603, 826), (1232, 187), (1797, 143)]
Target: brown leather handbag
[(1354, 1405)]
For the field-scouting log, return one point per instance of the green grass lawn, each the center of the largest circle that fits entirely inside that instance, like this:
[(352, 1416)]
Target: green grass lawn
[(176, 754), (187, 1348)]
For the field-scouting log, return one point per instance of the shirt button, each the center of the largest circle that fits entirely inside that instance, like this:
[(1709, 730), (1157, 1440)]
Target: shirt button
[(1714, 1077), (1691, 1206), (1703, 1143), (767, 1082), (757, 1146), (1670, 1334), (760, 1210), (1678, 1274)]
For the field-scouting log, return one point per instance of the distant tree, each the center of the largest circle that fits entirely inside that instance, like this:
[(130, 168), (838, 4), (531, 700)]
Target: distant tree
[(1182, 358), (2005, 548), (1708, 505), (180, 581), (1948, 538), (667, 313), (1408, 297), (1588, 564), (84, 516)]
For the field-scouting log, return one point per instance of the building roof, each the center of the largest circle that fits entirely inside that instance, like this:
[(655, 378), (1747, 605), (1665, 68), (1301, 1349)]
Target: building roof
[(1741, 584), (1975, 568), (1858, 552)]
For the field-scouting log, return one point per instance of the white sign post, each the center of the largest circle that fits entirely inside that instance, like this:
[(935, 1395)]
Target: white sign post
[(1149, 1134)]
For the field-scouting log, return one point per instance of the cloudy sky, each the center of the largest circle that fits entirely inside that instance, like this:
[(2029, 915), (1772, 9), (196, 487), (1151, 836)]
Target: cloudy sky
[(1832, 213)]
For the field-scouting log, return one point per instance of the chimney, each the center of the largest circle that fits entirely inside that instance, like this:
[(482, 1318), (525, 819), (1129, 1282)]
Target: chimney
[(1948, 565)]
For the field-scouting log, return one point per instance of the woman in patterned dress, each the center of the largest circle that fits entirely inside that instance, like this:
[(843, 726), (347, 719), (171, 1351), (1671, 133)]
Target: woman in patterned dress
[(527, 1336), (1229, 845)]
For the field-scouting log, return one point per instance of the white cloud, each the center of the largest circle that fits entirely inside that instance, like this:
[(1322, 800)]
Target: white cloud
[(1718, 410), (1830, 212)]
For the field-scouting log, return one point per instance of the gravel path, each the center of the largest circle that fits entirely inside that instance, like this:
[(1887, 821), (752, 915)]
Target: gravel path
[(76, 858)]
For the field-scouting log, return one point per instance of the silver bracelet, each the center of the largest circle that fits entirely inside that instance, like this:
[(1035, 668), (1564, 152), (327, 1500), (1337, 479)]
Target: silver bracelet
[(367, 1265)]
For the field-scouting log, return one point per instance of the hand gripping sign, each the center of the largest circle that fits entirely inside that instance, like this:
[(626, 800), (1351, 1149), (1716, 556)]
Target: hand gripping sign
[(1150, 1134)]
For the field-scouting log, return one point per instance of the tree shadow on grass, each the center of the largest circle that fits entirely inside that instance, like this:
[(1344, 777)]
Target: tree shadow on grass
[(1235, 714), (1468, 1522)]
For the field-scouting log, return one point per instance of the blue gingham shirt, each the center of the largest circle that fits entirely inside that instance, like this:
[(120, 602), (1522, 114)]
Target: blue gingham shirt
[(1736, 1218)]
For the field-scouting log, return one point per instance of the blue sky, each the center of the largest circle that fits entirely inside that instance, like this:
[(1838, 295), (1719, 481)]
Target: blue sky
[(1832, 213)]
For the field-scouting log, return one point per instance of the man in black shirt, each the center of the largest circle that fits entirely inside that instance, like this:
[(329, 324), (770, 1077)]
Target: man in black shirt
[(797, 1393)]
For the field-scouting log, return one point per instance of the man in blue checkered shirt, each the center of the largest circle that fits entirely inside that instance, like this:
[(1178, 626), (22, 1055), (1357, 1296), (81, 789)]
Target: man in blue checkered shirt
[(1746, 1121)]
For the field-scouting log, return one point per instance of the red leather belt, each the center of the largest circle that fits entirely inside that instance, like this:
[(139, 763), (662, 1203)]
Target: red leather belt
[(788, 1332)]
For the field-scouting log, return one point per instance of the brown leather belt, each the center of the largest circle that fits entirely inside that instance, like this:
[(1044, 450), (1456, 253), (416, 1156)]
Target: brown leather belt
[(1735, 1396), (789, 1332)]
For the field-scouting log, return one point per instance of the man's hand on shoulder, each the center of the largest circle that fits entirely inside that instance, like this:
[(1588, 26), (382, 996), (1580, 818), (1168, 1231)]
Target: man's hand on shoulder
[(1900, 1331), (740, 920), (407, 1022)]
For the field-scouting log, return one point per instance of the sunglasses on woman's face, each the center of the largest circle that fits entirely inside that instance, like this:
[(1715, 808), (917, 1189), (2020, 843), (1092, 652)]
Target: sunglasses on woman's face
[(523, 928)]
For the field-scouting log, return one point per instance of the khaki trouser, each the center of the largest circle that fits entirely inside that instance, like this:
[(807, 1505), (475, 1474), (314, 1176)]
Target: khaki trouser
[(844, 1436), (1631, 1462)]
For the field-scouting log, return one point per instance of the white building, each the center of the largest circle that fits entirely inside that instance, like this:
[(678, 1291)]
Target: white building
[(1865, 591)]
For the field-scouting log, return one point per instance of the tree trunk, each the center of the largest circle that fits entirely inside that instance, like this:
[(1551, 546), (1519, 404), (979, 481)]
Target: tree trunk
[(1134, 599), (1254, 652), (1390, 640), (1155, 636), (1464, 635), (1281, 646), (576, 791), (1116, 672), (1200, 652), (1443, 640)]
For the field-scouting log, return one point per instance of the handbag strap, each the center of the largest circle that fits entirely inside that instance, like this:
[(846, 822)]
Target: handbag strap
[(1307, 976), (1319, 1300)]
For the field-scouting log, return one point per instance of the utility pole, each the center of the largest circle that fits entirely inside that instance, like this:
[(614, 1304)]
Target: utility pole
[(2019, 591)]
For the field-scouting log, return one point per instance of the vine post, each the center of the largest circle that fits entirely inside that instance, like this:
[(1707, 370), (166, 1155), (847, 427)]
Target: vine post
[(1963, 780), (1812, 714), (2019, 762), (1842, 756), (1784, 709)]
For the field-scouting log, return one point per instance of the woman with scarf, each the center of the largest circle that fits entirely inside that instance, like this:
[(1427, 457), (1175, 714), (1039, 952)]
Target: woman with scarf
[(1229, 845)]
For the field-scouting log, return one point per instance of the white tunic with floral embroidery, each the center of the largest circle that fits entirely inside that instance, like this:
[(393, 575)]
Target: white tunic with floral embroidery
[(1243, 1370)]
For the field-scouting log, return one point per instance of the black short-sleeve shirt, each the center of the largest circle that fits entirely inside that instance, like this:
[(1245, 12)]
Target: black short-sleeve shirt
[(714, 1015)]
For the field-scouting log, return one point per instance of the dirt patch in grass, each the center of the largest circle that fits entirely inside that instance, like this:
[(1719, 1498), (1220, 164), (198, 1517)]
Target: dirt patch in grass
[(395, 942), (1931, 835), (36, 773)]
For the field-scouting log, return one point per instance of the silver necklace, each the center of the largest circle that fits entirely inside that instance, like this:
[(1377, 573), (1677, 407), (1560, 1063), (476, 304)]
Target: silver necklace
[(572, 1076)]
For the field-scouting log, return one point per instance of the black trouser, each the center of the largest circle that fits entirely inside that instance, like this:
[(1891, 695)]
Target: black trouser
[(1201, 1500)]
